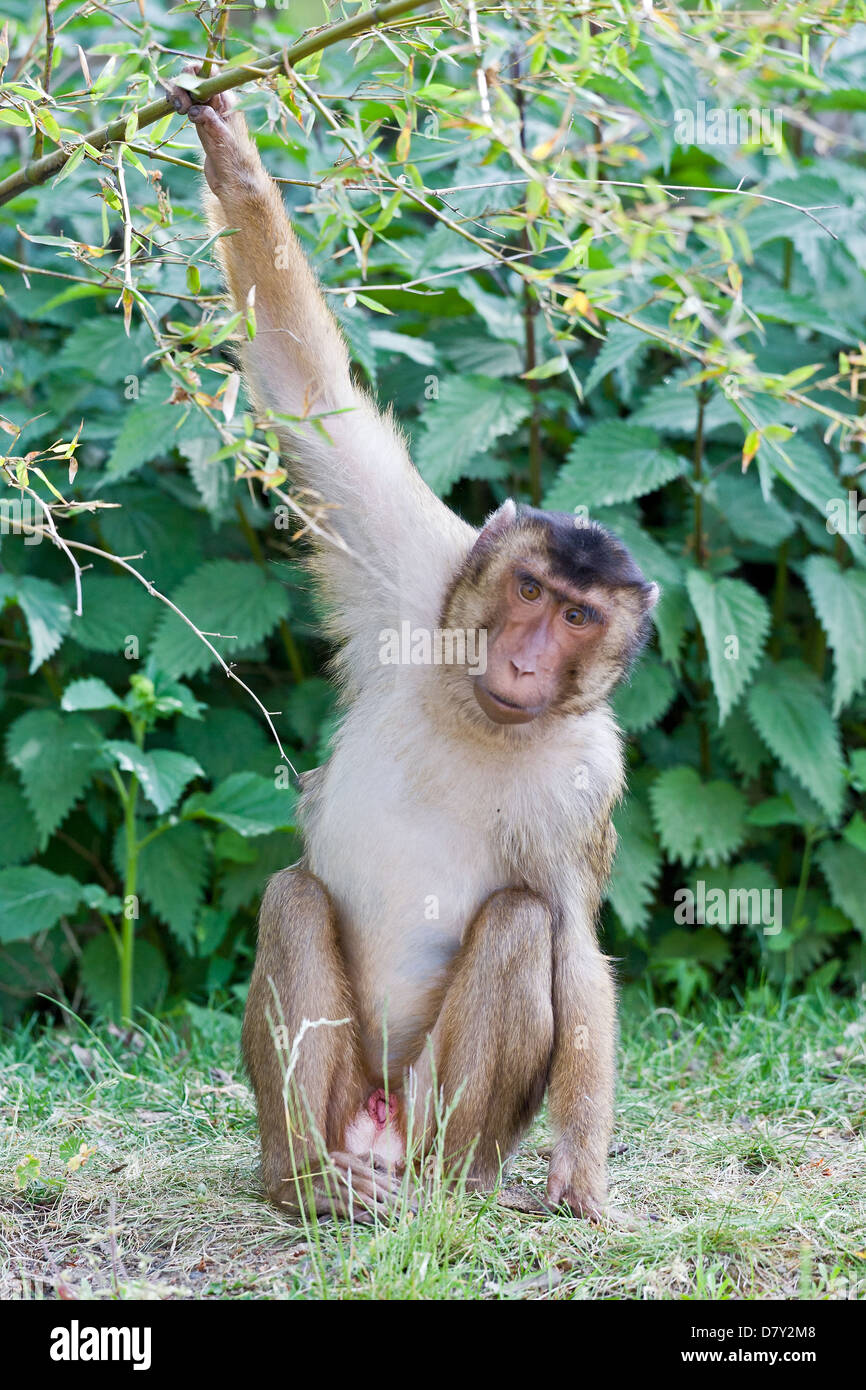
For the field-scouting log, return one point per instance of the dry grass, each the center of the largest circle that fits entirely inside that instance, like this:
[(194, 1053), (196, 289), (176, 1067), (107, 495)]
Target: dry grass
[(739, 1144)]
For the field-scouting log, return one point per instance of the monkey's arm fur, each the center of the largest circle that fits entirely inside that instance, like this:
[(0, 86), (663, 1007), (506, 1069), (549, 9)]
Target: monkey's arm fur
[(396, 530)]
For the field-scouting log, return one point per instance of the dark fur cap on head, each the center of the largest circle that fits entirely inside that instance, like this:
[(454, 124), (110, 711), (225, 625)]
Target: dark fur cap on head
[(583, 552), (580, 552)]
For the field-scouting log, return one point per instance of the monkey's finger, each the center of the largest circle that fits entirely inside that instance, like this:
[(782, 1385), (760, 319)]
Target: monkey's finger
[(382, 1189), (336, 1204)]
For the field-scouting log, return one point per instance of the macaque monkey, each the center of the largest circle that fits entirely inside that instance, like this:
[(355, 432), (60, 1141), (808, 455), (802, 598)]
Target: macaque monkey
[(440, 932)]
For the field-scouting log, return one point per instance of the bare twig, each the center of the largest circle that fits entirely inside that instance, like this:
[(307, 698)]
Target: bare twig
[(50, 6)]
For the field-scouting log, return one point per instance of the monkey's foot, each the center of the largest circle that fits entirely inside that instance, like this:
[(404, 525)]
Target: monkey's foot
[(362, 1189)]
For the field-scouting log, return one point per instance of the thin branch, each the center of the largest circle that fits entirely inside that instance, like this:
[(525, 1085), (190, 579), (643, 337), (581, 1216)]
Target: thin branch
[(55, 536), (46, 71), (39, 170)]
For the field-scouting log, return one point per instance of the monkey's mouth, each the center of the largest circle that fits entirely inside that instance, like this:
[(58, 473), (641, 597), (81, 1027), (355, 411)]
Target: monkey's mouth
[(503, 711)]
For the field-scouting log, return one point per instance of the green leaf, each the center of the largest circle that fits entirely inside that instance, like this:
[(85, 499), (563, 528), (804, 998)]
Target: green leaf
[(250, 804), (172, 872), (231, 738), (622, 344), (775, 810), (33, 899), (149, 428), (786, 706), (163, 774), (810, 475), (90, 693), (230, 597), (45, 610), (844, 868), (697, 820), (56, 756), (99, 348), (115, 608), (416, 349), (469, 415), (646, 697), (611, 463), (855, 833), (636, 866), (752, 518), (839, 598), (19, 838), (735, 621), (100, 974)]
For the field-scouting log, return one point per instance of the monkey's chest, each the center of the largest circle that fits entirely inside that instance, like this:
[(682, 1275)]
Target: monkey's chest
[(406, 878)]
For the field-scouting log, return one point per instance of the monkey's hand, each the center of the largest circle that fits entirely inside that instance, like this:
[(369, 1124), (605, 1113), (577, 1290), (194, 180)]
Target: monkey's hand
[(232, 165), (572, 1181)]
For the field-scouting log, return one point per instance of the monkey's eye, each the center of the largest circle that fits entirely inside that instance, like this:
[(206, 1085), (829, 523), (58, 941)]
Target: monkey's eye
[(576, 617), (529, 590)]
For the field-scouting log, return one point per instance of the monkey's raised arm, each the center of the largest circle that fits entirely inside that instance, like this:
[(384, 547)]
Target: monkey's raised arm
[(404, 541)]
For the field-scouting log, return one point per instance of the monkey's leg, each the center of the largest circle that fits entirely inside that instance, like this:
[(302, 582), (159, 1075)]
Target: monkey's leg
[(307, 1081), (580, 1098), (489, 1052)]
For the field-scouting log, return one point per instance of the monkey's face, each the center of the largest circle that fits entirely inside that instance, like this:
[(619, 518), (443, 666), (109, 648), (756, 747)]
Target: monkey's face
[(565, 611)]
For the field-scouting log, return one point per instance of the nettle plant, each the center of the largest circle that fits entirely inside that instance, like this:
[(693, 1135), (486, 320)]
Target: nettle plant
[(585, 276)]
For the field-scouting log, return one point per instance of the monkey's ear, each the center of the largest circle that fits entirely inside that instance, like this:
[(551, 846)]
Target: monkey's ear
[(495, 527), (651, 596)]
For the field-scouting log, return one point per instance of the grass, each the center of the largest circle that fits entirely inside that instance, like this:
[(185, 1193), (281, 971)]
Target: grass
[(740, 1142)]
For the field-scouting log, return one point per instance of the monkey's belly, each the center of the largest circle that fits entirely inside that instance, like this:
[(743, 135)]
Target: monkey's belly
[(405, 890)]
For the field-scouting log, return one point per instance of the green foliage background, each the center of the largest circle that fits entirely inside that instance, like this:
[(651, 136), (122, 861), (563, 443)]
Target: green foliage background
[(550, 325)]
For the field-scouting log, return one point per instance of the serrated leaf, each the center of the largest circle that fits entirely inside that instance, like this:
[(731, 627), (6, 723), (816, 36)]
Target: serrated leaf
[(622, 344), (697, 820), (89, 693), (149, 429), (99, 348), (636, 866), (844, 868), (729, 609), (100, 974), (646, 697), (613, 462), (249, 804), (19, 838), (45, 610), (470, 414), (162, 773), (115, 608), (416, 349), (786, 706), (234, 598), (172, 872), (55, 756), (775, 810), (33, 899), (807, 471), (752, 518), (855, 833), (839, 598)]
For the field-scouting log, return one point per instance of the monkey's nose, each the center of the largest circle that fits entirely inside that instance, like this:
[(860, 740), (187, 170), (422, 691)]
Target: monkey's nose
[(522, 668)]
